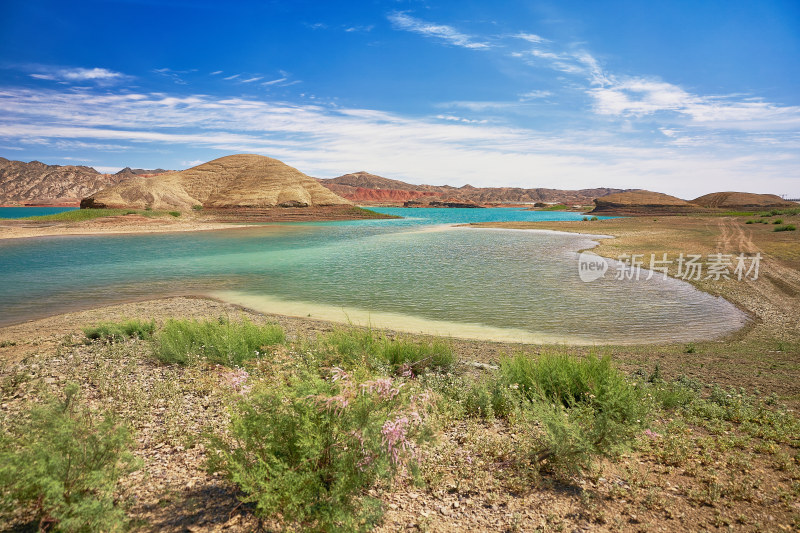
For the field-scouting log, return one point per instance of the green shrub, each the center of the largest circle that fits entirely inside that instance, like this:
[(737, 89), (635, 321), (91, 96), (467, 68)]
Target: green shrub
[(63, 461), (197, 207), (578, 408), (355, 346), (119, 331), (778, 221), (690, 348), (175, 213), (222, 342), (585, 219), (307, 449), (787, 227), (594, 218), (750, 222)]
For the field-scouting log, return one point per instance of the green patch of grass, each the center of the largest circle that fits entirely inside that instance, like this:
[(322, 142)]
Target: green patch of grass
[(576, 409), (778, 221), (736, 214), (223, 342), (197, 207), (787, 227), (361, 212), (118, 331), (175, 213), (353, 347), (750, 222), (556, 207), (79, 215)]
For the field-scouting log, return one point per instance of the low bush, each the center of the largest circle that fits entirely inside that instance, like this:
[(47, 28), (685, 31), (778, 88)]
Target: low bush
[(63, 461), (223, 342), (307, 449), (355, 346), (778, 221), (175, 213), (787, 227), (578, 408), (119, 331)]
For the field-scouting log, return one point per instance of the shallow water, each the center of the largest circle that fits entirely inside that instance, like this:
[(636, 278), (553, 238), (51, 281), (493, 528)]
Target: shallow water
[(22, 212), (415, 274)]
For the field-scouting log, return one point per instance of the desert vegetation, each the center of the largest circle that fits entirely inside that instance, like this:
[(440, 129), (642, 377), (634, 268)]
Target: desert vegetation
[(327, 432)]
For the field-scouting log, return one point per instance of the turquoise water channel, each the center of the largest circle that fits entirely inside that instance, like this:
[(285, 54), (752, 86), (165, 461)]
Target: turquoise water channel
[(417, 274)]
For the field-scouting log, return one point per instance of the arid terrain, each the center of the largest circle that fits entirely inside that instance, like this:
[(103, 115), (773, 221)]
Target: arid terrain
[(728, 459), (368, 189)]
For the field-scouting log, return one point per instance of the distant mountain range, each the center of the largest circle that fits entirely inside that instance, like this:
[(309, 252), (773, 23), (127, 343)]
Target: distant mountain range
[(37, 183), (368, 189)]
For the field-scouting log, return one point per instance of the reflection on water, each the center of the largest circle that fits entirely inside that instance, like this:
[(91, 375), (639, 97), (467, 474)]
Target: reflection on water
[(414, 274)]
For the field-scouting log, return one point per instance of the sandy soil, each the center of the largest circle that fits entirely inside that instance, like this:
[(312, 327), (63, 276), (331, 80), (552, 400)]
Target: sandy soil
[(19, 229)]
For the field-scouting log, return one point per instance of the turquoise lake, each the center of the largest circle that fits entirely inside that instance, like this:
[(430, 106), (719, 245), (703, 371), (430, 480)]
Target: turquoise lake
[(416, 274), (21, 212)]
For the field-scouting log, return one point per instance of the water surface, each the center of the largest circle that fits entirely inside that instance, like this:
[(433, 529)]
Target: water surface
[(22, 212), (418, 274)]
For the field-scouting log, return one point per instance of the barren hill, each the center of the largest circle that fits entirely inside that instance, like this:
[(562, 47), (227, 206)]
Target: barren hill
[(236, 181), (741, 200), (642, 202), (365, 188), (38, 183)]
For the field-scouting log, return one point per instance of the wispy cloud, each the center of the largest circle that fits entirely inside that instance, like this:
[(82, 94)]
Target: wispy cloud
[(530, 37), (216, 73), (97, 75), (448, 34), (327, 141), (534, 95), (175, 75), (274, 82), (639, 97), (251, 80), (364, 29), (232, 77)]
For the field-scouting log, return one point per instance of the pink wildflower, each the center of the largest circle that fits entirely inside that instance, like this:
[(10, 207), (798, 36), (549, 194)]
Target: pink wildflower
[(339, 374), (237, 379), (652, 434), (383, 387), (336, 403), (394, 437)]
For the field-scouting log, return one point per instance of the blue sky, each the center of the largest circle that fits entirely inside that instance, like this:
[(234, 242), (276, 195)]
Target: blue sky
[(682, 97)]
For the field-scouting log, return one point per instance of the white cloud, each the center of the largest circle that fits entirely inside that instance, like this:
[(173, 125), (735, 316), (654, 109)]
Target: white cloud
[(530, 37), (233, 77), (440, 31), (97, 75), (638, 97), (251, 80), (216, 73), (328, 141), (533, 95), (273, 82)]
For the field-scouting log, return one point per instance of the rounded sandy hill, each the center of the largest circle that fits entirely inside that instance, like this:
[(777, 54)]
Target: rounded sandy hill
[(731, 200), (641, 202), (235, 181)]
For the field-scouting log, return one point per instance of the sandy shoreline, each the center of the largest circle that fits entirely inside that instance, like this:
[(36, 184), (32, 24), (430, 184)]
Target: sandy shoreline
[(116, 225)]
